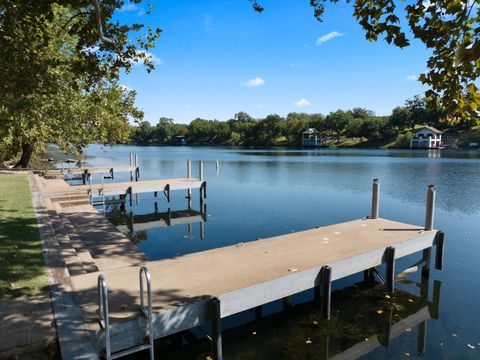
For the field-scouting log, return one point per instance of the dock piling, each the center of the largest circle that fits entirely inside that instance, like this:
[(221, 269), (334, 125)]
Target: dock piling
[(375, 198), (439, 240), (430, 210), (189, 176), (390, 263), (426, 258), (326, 286), (216, 328), (200, 170)]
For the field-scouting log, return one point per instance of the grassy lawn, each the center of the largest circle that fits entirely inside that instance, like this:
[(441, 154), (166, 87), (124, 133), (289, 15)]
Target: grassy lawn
[(22, 269)]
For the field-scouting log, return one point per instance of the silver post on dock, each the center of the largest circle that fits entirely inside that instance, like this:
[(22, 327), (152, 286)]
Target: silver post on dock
[(430, 211), (217, 166), (189, 176), (200, 170), (375, 198)]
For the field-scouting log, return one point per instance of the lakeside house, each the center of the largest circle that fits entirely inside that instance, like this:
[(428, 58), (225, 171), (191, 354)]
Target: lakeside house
[(427, 138), (180, 140), (312, 138)]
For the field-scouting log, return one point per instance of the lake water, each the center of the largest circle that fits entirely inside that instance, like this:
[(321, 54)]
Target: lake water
[(261, 193)]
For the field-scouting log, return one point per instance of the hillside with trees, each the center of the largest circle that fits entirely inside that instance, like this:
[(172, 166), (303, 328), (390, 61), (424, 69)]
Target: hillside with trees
[(354, 127)]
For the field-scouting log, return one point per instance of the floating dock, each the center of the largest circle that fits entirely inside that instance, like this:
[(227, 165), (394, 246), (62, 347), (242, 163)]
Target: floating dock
[(136, 304)]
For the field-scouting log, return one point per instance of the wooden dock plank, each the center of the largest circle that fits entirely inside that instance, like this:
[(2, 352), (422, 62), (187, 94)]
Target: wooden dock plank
[(247, 275)]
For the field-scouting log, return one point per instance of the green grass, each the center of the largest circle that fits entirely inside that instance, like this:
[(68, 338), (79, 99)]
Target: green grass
[(22, 268)]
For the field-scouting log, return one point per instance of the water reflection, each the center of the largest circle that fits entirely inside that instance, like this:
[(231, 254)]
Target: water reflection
[(135, 226), (364, 319)]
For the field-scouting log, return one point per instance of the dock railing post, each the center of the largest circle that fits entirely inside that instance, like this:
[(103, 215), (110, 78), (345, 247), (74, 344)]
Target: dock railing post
[(430, 211), (375, 198), (131, 165), (215, 315)]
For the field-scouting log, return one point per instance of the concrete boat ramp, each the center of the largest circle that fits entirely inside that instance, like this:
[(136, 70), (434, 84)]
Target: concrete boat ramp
[(121, 309)]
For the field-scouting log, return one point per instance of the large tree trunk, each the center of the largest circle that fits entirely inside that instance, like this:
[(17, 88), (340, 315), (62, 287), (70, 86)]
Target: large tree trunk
[(27, 151)]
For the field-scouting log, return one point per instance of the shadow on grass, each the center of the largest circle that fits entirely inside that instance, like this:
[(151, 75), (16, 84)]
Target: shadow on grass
[(22, 263)]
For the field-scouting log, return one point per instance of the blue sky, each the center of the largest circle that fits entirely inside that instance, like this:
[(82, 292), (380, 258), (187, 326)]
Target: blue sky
[(218, 57)]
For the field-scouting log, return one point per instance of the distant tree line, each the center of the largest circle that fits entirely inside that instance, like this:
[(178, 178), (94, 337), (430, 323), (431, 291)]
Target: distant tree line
[(275, 130)]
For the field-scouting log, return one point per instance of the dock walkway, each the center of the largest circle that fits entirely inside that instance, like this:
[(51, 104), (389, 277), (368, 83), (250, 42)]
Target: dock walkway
[(244, 276), (195, 289)]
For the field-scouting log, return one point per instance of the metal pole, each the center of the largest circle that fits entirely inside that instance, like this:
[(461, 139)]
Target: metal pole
[(375, 198), (189, 175), (136, 160), (200, 170), (216, 329), (429, 215)]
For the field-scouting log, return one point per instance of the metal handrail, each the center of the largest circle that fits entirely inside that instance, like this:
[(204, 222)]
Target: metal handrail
[(147, 310), (103, 313)]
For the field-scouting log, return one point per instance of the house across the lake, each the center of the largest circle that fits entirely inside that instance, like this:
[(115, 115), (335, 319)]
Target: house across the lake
[(427, 138), (180, 140), (312, 138)]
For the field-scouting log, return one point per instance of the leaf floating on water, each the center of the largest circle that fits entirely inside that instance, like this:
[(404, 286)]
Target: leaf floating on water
[(387, 296), (254, 333), (408, 329), (471, 346), (308, 341), (410, 300), (407, 354), (315, 322), (454, 335), (379, 311)]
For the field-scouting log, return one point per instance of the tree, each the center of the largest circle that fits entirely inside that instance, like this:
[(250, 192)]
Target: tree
[(400, 117), (43, 98), (337, 122), (361, 113), (449, 30), (420, 113)]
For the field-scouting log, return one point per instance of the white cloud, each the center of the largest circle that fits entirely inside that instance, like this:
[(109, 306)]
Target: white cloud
[(258, 81), (132, 8), (412, 77), (331, 35), (302, 102), (152, 57)]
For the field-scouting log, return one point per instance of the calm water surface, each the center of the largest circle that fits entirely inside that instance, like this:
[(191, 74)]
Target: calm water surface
[(261, 193)]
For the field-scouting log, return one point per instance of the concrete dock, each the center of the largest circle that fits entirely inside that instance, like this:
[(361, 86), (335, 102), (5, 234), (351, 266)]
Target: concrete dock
[(243, 276), (200, 288)]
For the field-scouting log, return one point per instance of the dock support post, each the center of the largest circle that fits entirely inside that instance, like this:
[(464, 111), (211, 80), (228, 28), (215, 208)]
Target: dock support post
[(390, 262), (111, 173), (422, 338), (375, 198), (189, 175), (287, 302), (258, 312), (216, 328), (426, 258), (430, 211), (439, 240), (326, 276), (369, 276)]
